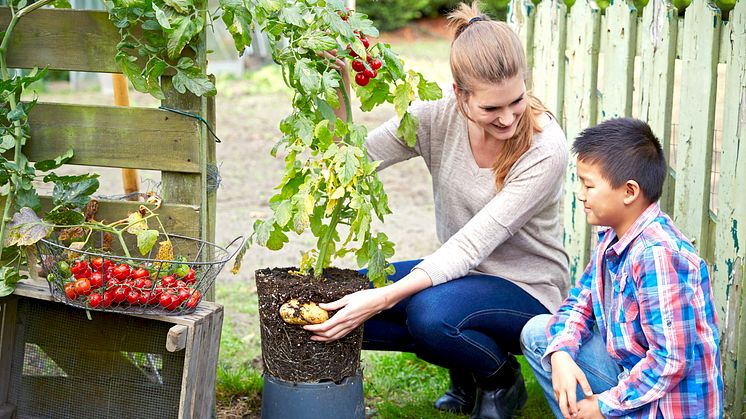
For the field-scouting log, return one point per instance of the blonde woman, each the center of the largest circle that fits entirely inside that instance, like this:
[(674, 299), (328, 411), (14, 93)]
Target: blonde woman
[(498, 160)]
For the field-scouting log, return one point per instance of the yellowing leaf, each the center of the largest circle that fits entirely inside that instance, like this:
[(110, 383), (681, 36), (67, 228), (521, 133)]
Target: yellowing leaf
[(136, 223)]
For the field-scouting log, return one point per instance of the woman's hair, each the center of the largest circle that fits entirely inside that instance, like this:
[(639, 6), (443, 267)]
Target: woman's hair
[(487, 51)]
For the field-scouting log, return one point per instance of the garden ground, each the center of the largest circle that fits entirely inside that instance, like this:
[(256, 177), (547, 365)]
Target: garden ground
[(248, 111)]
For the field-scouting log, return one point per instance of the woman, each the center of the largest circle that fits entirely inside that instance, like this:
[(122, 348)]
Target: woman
[(498, 160)]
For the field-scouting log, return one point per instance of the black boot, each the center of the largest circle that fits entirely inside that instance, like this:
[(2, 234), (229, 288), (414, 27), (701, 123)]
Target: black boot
[(500, 395), (460, 397)]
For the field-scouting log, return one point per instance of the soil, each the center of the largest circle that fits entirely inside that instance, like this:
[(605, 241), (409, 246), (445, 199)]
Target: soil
[(287, 350)]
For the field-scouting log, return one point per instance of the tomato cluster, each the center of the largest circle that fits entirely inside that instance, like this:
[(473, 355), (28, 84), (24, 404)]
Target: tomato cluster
[(364, 72), (103, 283)]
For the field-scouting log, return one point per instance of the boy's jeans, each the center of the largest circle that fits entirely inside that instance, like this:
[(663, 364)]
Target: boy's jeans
[(599, 368)]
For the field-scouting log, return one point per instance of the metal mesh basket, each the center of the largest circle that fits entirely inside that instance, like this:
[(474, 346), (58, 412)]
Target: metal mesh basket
[(110, 282)]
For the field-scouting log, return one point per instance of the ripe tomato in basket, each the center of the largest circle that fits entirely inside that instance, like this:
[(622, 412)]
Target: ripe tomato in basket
[(194, 299), (70, 291), (140, 273), (189, 278), (120, 294), (168, 281), (95, 301), (133, 297), (108, 298), (96, 279), (121, 271), (83, 286)]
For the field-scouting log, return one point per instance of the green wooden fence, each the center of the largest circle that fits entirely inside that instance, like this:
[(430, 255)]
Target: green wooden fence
[(665, 67)]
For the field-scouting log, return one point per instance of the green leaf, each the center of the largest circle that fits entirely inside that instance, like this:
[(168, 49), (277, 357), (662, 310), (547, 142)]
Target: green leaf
[(322, 133), (262, 230), (408, 129), (194, 81), (307, 76), (132, 71), (376, 93), (428, 90), (76, 193), (277, 239), (26, 228), (160, 15), (28, 198), (363, 24), (403, 96), (9, 277), (292, 15), (336, 24), (393, 62), (181, 6), (283, 213), (65, 216), (349, 164), (146, 239), (325, 110), (186, 28), (47, 165), (16, 114), (150, 25), (304, 128), (318, 41), (7, 142)]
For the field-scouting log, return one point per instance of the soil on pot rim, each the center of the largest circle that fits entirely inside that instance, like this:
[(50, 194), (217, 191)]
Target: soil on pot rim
[(287, 350)]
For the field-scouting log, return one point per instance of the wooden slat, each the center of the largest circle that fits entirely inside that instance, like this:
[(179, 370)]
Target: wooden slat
[(8, 309), (109, 136), (657, 63), (696, 122), (63, 40), (618, 36), (729, 274), (549, 45), (522, 17), (583, 26)]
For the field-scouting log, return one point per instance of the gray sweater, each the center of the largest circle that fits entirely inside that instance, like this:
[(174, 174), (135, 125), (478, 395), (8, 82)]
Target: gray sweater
[(514, 233)]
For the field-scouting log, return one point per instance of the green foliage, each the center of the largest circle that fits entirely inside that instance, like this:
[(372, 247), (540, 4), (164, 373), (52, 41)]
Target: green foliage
[(392, 14)]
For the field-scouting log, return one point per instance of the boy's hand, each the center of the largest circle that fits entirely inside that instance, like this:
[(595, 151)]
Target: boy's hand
[(588, 408), (566, 375)]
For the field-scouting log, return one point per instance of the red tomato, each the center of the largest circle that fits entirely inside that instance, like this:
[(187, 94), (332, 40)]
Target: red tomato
[(78, 267), (164, 300), (95, 301), (361, 79), (370, 73), (97, 280), (358, 65), (70, 291), (376, 64), (194, 299), (168, 281), (366, 42), (108, 298), (144, 298), (181, 284), (147, 284), (175, 302), (83, 286), (121, 271), (133, 297), (189, 278), (140, 273), (98, 264), (183, 294), (120, 294)]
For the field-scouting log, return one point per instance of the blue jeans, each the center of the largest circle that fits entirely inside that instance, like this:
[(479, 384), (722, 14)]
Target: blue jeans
[(599, 367), (470, 323)]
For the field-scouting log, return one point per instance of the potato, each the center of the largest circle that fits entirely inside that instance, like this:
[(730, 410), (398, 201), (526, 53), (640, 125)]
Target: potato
[(292, 312)]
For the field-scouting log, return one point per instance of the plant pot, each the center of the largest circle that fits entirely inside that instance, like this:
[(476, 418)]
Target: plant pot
[(288, 353), (285, 399)]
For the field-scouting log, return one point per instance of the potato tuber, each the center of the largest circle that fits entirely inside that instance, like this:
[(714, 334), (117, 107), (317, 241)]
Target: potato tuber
[(292, 312)]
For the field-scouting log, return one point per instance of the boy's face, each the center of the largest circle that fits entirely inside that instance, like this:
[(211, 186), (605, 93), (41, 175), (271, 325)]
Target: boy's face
[(604, 205)]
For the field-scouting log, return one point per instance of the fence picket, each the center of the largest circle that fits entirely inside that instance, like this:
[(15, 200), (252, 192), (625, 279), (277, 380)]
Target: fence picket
[(696, 122), (580, 110), (619, 38), (548, 47), (657, 65), (730, 233), (522, 18)]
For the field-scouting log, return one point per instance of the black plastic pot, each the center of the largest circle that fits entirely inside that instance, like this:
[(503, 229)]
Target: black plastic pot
[(284, 399)]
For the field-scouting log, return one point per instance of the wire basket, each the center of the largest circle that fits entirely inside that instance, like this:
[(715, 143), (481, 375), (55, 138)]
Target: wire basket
[(145, 285)]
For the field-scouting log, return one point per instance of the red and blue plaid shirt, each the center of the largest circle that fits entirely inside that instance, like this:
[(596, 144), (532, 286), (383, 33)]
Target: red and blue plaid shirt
[(662, 328)]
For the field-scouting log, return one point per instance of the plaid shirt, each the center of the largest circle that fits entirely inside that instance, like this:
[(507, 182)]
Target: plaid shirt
[(662, 328)]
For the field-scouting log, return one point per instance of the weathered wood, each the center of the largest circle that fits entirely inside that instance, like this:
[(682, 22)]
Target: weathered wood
[(696, 122), (112, 136), (548, 79), (729, 281), (63, 40), (7, 411), (581, 104), (657, 64), (177, 338), (201, 360), (8, 310), (210, 183), (522, 17), (618, 39)]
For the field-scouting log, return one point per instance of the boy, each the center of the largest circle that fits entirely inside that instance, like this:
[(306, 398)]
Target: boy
[(639, 334)]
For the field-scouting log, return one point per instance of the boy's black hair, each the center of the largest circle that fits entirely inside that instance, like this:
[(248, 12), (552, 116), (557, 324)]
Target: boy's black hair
[(626, 149)]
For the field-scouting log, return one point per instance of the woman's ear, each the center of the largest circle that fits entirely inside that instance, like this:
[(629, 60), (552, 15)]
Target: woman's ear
[(455, 89), (632, 192)]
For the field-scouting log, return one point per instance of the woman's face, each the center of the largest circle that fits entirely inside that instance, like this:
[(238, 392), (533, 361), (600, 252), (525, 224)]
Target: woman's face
[(496, 108)]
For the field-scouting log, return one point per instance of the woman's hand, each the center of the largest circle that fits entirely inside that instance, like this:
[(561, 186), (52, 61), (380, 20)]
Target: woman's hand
[(566, 375), (588, 408), (354, 309)]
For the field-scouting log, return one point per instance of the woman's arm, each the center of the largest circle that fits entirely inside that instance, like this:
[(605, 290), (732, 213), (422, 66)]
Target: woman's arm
[(358, 307)]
